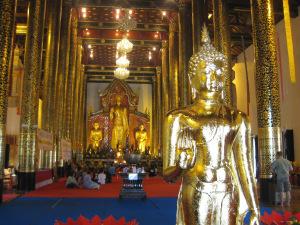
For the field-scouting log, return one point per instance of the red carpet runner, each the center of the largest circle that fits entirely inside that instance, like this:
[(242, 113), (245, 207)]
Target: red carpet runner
[(154, 187)]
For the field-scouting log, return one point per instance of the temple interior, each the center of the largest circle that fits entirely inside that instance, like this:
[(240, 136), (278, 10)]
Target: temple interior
[(162, 88)]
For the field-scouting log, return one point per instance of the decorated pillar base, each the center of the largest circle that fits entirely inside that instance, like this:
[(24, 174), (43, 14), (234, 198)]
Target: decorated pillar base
[(60, 172), (267, 190), (1, 191), (26, 181)]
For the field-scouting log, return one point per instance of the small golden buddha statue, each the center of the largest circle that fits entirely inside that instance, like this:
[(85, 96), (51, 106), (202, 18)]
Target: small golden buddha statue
[(118, 117), (96, 136), (208, 145), (141, 138)]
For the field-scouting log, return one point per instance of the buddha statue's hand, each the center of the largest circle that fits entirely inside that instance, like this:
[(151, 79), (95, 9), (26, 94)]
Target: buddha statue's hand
[(184, 160)]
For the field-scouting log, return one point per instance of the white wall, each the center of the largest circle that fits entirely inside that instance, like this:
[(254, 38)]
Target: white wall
[(289, 93)]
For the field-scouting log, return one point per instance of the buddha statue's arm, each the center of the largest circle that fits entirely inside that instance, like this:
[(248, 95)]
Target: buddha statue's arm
[(100, 135), (136, 136), (171, 130), (243, 161), (125, 122), (111, 114)]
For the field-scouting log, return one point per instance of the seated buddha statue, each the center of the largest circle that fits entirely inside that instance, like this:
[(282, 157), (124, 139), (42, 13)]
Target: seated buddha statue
[(141, 138), (96, 136), (207, 145)]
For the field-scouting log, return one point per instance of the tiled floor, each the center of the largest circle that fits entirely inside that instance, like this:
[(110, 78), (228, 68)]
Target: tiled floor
[(295, 201)]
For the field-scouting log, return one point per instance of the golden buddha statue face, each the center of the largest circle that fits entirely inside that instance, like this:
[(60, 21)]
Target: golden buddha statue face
[(206, 69), (207, 78), (96, 125), (118, 100), (142, 127)]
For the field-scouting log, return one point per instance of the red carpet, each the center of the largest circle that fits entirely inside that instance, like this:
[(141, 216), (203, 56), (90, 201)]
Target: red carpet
[(9, 197), (154, 187)]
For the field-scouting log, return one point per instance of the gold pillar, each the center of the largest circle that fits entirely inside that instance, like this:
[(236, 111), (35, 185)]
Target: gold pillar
[(55, 92), (51, 60), (30, 94), (70, 83), (65, 44), (185, 51), (222, 43), (63, 66), (154, 116), (84, 116), (156, 112), (81, 112), (76, 95), (159, 109), (267, 89), (199, 17), (164, 79), (7, 16), (173, 66)]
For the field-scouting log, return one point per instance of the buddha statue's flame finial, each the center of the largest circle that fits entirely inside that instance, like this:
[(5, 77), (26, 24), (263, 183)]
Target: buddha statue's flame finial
[(205, 36)]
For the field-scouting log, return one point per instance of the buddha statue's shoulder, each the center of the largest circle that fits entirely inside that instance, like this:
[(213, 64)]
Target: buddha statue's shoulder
[(185, 111)]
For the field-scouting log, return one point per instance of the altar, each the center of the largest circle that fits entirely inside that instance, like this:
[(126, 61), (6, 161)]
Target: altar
[(132, 186), (118, 128)]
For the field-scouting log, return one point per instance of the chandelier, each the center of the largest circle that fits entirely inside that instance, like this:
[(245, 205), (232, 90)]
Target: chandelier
[(122, 62), (124, 46), (127, 23), (121, 73)]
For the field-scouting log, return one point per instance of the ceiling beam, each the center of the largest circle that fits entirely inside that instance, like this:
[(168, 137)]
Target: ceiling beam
[(113, 42), (115, 25), (154, 4)]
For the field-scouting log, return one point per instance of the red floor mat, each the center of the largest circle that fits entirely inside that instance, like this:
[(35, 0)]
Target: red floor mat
[(154, 187)]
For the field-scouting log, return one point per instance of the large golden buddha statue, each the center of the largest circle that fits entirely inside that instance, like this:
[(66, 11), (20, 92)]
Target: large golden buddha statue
[(96, 136), (208, 145), (141, 138), (118, 117)]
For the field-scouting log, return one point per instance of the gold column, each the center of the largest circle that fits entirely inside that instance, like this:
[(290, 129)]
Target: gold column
[(267, 89), (7, 17), (173, 66), (158, 110), (69, 91), (84, 116), (222, 43), (30, 94), (164, 79), (55, 91), (81, 112), (199, 17), (65, 46), (79, 128), (154, 116), (63, 66), (51, 60), (185, 51), (76, 95)]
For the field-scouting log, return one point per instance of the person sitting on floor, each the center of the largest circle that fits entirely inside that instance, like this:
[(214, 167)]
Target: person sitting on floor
[(88, 183), (71, 181), (101, 177)]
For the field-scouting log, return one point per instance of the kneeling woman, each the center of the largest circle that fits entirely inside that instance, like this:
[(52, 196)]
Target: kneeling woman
[(88, 183)]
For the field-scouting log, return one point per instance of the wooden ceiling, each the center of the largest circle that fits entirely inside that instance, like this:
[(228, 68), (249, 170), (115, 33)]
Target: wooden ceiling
[(98, 30)]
